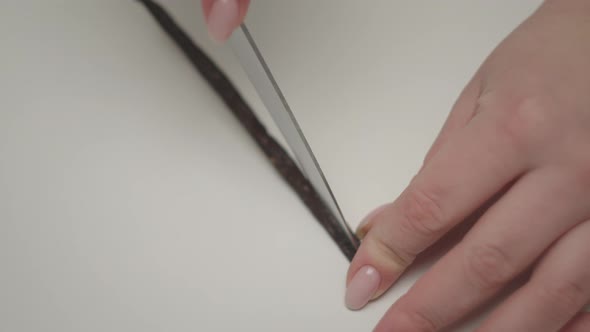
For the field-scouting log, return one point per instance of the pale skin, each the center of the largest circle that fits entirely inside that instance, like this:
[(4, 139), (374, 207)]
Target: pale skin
[(518, 142)]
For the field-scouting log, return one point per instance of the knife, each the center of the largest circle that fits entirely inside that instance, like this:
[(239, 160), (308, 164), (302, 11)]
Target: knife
[(260, 75)]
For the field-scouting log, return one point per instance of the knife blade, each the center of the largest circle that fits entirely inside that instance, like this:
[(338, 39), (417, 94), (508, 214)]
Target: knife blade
[(261, 77)]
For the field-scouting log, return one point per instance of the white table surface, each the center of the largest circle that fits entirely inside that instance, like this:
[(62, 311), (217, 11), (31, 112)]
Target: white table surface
[(131, 199)]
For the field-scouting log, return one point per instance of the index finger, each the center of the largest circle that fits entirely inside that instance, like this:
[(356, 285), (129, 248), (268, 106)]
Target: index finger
[(223, 16), (476, 163)]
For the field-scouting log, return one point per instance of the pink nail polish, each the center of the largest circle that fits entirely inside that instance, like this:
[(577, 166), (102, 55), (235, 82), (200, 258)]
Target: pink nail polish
[(362, 287), (222, 19)]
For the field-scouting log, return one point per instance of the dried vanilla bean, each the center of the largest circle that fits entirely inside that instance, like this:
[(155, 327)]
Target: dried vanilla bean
[(279, 158)]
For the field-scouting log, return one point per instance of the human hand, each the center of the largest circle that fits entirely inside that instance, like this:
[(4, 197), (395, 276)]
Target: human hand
[(518, 137), (224, 16)]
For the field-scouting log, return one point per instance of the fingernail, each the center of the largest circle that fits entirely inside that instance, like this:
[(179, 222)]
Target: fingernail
[(360, 231), (222, 19), (362, 287)]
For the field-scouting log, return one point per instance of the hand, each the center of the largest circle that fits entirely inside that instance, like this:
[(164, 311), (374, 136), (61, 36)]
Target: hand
[(517, 138), (224, 16)]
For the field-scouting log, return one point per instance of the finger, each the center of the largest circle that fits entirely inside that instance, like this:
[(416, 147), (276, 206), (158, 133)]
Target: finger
[(460, 115), (366, 223), (435, 201), (206, 5), (494, 251), (224, 16), (559, 288), (580, 323)]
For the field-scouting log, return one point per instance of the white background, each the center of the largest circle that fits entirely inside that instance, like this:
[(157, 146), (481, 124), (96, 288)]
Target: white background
[(130, 198)]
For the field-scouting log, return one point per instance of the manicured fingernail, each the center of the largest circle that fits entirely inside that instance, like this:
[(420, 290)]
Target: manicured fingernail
[(222, 19), (360, 230), (362, 287)]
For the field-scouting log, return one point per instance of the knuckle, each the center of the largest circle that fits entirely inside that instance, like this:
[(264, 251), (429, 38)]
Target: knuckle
[(422, 214), (393, 255), (523, 121), (420, 322), (414, 319), (487, 267), (565, 296)]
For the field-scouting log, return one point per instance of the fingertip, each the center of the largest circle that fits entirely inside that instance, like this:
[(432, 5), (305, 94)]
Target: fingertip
[(362, 287), (206, 6), (244, 6), (383, 266), (223, 16)]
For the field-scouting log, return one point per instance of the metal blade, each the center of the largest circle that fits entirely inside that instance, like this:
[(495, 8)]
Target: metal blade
[(267, 88)]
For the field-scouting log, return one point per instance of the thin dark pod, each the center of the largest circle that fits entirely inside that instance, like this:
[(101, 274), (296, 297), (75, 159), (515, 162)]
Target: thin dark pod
[(279, 158)]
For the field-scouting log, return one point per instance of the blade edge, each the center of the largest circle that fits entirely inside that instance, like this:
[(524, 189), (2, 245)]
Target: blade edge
[(272, 97)]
